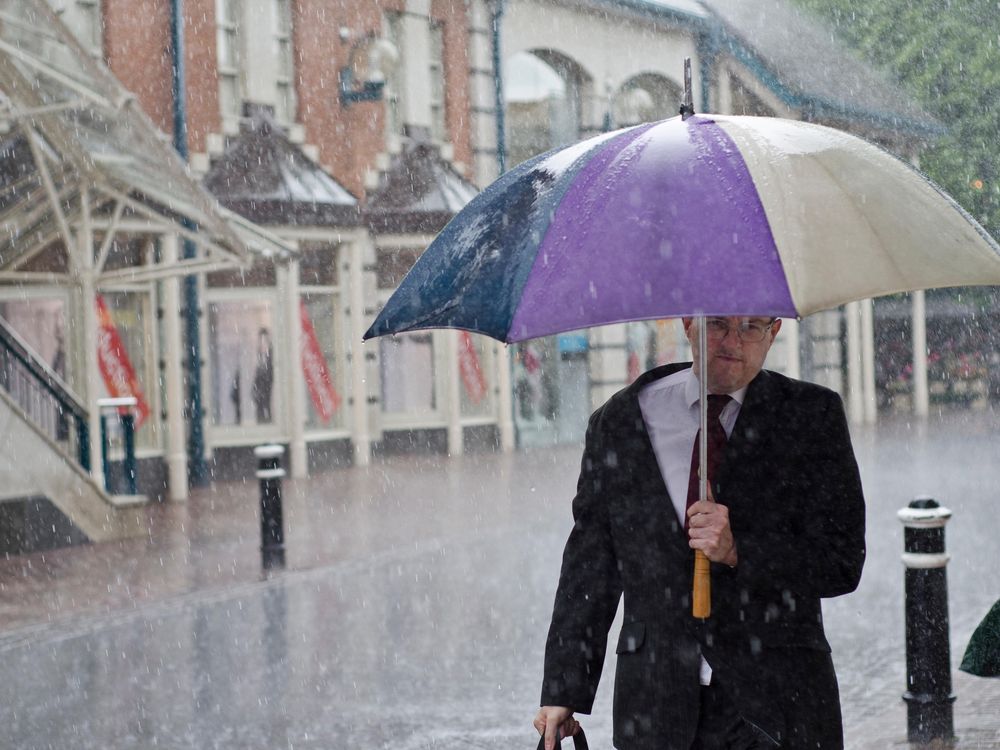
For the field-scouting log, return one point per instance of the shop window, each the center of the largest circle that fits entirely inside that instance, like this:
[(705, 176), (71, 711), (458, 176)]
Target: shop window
[(41, 324), (640, 349), (241, 351), (408, 373), (536, 386)]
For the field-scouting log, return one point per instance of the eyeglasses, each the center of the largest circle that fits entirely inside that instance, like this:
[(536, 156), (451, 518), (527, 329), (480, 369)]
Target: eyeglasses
[(749, 331)]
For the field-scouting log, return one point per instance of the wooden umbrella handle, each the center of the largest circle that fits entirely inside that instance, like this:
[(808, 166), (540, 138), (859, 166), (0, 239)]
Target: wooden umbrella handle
[(701, 597)]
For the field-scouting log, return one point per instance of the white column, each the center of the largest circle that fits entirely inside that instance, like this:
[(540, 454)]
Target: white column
[(505, 398), (868, 360), (921, 395), (88, 299), (361, 437), (790, 332), (608, 362), (173, 345), (456, 445), (855, 398), (296, 390)]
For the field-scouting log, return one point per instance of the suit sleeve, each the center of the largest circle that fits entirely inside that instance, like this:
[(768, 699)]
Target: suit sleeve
[(589, 589), (816, 545)]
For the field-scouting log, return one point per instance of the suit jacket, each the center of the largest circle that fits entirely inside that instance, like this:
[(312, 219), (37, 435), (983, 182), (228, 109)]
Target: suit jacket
[(796, 509)]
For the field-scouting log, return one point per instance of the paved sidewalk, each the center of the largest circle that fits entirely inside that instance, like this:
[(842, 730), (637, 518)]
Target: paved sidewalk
[(413, 609), (976, 712)]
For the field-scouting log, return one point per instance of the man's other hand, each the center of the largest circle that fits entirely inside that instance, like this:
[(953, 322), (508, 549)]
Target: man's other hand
[(709, 531), (551, 719)]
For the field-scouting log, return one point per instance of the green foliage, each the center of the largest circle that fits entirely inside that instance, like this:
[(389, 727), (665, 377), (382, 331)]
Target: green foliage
[(945, 54)]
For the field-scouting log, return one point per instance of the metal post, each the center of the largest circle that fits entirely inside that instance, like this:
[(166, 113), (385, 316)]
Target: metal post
[(272, 532), (121, 408), (128, 436), (928, 652), (197, 467), (496, 8), (83, 442), (105, 461)]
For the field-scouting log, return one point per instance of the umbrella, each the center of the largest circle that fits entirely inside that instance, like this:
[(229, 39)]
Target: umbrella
[(695, 215), (711, 215), (982, 656)]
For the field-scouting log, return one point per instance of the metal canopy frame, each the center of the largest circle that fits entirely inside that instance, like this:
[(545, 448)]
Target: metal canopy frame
[(77, 155)]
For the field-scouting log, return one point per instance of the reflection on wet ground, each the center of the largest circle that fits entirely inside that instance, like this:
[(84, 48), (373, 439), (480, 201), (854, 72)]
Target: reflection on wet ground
[(414, 608)]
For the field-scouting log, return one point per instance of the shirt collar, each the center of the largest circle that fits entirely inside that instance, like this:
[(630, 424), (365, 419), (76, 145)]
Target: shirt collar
[(691, 391)]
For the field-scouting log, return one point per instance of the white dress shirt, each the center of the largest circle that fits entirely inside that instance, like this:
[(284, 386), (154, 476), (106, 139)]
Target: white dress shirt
[(670, 410)]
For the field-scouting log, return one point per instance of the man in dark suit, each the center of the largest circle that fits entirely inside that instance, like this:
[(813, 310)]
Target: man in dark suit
[(787, 530)]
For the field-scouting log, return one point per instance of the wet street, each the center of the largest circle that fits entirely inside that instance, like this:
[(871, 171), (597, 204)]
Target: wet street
[(413, 610)]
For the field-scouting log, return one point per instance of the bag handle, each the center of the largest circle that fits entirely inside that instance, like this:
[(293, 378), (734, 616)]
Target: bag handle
[(579, 741)]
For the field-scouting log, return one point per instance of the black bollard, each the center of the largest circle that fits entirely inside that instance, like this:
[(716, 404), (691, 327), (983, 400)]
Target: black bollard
[(272, 532), (928, 652)]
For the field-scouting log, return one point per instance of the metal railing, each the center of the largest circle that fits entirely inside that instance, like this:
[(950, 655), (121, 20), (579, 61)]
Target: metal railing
[(43, 396)]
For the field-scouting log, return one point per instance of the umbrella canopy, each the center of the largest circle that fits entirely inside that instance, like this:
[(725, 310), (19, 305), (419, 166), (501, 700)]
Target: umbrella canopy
[(707, 215), (982, 657)]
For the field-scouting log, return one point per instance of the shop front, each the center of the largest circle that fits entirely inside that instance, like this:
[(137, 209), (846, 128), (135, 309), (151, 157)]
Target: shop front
[(284, 335), (438, 389)]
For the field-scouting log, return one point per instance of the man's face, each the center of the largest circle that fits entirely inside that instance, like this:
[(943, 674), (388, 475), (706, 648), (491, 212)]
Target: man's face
[(732, 362)]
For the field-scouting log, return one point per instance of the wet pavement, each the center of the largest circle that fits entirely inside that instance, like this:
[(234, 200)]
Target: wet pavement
[(413, 610)]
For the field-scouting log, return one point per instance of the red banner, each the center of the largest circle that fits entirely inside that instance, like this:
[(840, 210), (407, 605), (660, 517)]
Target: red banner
[(116, 368), (468, 364), (324, 396)]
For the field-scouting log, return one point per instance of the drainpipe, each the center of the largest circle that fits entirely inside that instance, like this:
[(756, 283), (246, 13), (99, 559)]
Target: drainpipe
[(496, 13), (708, 43), (505, 365), (197, 469)]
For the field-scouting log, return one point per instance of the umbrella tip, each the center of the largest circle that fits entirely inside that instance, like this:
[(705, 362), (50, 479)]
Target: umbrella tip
[(687, 105)]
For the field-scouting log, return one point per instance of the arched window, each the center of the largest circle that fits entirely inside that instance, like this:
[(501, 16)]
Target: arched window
[(546, 95), (646, 97)]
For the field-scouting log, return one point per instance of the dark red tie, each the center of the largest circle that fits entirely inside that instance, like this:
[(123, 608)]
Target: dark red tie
[(716, 447)]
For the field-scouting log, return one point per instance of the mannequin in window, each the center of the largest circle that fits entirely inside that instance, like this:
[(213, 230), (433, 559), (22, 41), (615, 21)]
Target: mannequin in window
[(235, 396), (263, 378)]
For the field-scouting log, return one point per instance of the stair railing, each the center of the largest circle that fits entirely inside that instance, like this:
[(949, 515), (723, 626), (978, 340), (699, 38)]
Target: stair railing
[(43, 395)]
